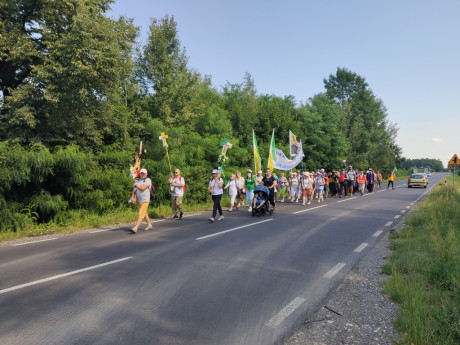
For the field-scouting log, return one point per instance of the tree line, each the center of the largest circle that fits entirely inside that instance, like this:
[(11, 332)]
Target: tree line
[(78, 92)]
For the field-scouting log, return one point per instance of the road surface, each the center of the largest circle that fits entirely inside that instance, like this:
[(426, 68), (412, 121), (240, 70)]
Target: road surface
[(245, 280)]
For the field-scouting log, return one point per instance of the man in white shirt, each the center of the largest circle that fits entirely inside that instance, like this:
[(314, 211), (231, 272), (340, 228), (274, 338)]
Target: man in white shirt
[(177, 187), (141, 195)]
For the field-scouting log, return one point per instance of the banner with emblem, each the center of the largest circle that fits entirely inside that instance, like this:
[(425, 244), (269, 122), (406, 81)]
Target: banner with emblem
[(293, 144)]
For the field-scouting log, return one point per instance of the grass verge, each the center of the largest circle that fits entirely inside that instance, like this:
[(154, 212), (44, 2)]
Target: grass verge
[(424, 271)]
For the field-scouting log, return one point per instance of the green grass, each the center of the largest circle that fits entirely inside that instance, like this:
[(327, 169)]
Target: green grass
[(425, 271)]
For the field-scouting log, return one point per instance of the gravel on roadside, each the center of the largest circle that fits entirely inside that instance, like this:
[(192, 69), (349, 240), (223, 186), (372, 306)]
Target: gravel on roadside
[(357, 312)]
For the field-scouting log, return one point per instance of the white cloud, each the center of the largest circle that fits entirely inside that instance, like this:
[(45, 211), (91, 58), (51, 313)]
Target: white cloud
[(436, 140)]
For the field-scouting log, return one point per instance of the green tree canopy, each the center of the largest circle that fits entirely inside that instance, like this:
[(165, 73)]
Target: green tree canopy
[(61, 83)]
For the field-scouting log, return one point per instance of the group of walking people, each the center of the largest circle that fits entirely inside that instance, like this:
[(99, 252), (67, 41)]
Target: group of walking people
[(298, 187)]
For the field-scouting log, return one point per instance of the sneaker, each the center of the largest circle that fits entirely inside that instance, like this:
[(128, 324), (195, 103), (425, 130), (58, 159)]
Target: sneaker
[(303, 204), (211, 220), (133, 230), (282, 200), (181, 215), (175, 216), (297, 200), (292, 200), (309, 202), (274, 208), (250, 209), (221, 218)]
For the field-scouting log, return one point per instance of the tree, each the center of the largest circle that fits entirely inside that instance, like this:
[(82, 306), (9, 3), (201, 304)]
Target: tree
[(324, 145), (164, 67), (241, 103), (370, 136), (73, 66)]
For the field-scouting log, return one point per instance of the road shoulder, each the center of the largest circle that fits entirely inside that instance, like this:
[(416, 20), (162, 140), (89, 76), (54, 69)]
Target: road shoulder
[(357, 312)]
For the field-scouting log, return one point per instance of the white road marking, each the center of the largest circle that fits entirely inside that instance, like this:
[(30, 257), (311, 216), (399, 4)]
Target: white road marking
[(377, 234), (347, 199), (285, 312), (17, 287), (309, 209), (101, 230), (360, 248), (403, 211), (110, 229), (397, 216), (230, 230), (412, 203), (380, 191), (192, 215), (388, 224), (333, 271), (24, 243), (408, 206)]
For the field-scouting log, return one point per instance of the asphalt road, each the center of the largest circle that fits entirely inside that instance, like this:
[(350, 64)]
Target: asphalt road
[(245, 280)]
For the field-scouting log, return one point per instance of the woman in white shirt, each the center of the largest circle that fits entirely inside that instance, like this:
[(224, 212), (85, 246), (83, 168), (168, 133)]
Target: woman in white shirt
[(232, 191), (240, 189), (215, 187)]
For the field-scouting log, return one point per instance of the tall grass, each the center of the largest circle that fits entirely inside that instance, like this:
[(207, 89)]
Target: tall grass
[(425, 271)]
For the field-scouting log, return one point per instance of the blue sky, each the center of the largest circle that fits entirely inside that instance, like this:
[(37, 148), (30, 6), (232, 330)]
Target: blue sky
[(408, 52)]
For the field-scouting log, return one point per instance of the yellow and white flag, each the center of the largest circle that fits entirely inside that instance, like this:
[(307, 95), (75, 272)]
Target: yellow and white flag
[(272, 154), (257, 161)]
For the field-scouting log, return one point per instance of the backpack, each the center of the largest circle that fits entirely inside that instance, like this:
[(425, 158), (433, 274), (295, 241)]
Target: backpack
[(152, 192)]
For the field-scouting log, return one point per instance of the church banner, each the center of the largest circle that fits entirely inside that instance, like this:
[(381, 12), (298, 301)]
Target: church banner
[(283, 163)]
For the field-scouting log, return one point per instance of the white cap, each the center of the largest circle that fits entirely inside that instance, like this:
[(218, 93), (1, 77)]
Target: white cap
[(143, 171), (214, 171)]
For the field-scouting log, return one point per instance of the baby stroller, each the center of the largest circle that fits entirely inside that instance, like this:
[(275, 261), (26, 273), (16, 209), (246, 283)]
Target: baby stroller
[(265, 207)]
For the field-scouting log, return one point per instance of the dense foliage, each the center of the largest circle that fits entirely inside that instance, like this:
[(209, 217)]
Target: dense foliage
[(433, 164), (77, 94)]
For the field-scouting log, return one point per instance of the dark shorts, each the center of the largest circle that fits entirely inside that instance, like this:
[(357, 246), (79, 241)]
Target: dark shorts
[(350, 183)]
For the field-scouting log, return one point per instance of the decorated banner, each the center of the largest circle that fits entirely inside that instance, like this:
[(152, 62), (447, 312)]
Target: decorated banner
[(272, 154), (163, 138), (226, 144), (293, 144), (257, 161), (135, 169), (283, 163)]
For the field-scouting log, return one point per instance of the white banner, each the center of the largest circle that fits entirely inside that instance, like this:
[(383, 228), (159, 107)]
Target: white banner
[(283, 163)]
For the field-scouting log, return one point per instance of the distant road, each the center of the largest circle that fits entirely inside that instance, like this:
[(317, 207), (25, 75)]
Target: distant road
[(244, 280)]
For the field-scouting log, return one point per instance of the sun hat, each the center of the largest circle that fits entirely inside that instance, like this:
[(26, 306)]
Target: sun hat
[(249, 170), (259, 172)]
